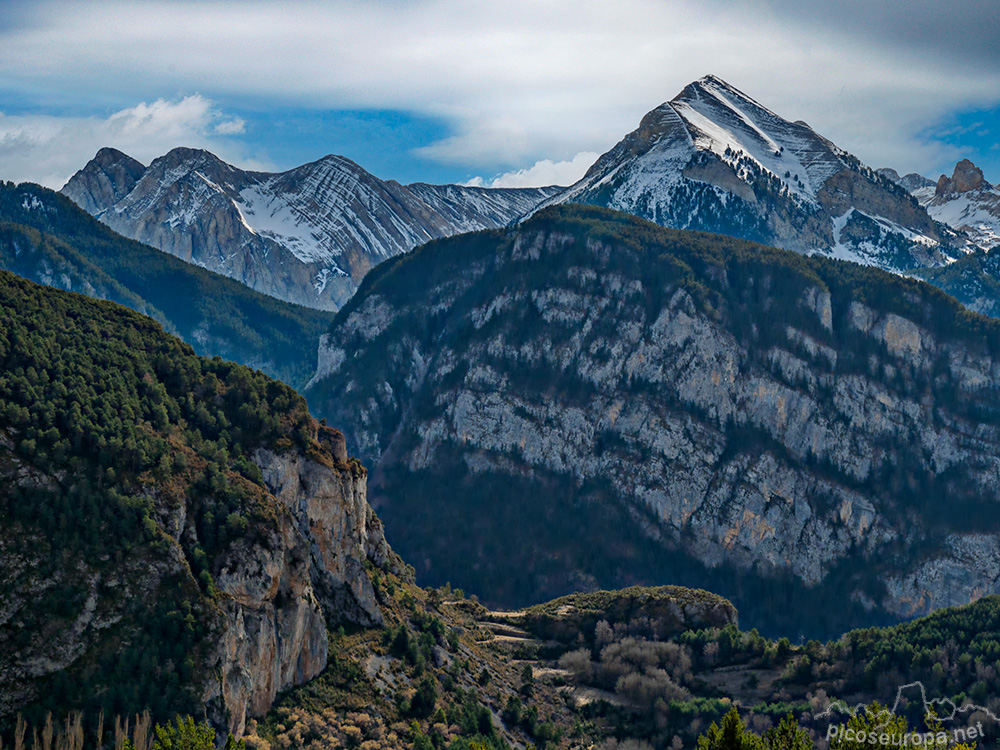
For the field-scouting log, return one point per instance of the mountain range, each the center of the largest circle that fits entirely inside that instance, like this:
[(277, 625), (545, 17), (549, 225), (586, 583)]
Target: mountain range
[(711, 159), (307, 236), (558, 391)]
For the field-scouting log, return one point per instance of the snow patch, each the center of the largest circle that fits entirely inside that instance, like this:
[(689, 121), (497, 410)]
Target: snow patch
[(33, 205)]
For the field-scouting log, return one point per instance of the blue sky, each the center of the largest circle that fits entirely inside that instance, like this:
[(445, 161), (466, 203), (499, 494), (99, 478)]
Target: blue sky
[(457, 90)]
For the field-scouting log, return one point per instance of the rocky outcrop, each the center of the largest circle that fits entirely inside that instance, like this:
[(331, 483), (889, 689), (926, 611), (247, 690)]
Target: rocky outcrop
[(331, 511), (664, 611), (105, 180), (283, 594), (308, 235), (273, 629), (807, 425), (966, 177), (970, 205)]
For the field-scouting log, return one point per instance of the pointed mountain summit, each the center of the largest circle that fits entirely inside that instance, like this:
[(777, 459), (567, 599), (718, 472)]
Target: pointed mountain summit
[(106, 179), (714, 159), (308, 235)]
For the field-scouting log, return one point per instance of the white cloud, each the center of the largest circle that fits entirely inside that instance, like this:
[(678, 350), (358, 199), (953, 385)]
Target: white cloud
[(518, 81), (236, 126), (49, 150), (542, 173)]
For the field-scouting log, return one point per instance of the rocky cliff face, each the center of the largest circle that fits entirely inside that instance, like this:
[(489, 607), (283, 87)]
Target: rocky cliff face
[(177, 533), (966, 178), (655, 404), (967, 202), (282, 595), (308, 235), (715, 160), (106, 179), (279, 589)]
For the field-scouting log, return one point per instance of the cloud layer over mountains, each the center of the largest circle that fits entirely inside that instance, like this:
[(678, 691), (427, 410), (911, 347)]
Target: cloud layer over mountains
[(515, 83)]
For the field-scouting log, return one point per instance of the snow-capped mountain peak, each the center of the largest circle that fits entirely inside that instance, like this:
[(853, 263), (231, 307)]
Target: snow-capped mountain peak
[(714, 159)]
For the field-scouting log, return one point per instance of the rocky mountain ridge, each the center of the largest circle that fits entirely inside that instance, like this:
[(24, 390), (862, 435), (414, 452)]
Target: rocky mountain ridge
[(970, 204), (718, 414), (308, 235)]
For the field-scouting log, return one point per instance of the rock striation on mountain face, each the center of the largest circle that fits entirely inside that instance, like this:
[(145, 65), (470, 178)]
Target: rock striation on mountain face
[(308, 235), (649, 406), (713, 159)]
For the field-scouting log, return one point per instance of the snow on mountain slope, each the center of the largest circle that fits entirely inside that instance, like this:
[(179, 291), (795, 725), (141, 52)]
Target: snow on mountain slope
[(713, 159), (308, 235), (979, 216), (967, 203), (970, 205), (472, 208)]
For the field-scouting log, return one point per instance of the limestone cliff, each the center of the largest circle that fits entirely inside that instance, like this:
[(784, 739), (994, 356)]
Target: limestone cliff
[(659, 407), (283, 594), (279, 589)]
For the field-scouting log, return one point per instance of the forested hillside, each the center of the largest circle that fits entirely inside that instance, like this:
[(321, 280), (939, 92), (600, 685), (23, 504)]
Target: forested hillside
[(45, 237)]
